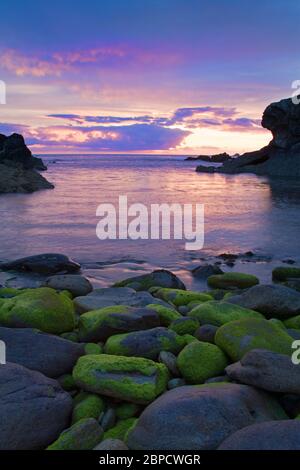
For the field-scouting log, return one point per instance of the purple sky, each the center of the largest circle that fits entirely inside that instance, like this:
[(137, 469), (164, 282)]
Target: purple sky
[(162, 76)]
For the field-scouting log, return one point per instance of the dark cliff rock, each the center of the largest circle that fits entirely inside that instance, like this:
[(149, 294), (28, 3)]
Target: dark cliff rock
[(217, 158), (281, 157), (19, 168)]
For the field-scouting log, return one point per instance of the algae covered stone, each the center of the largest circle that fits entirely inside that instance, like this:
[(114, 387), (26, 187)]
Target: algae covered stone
[(83, 435), (166, 315), (184, 326), (283, 273), (147, 343), (98, 325), (120, 430), (199, 361), (158, 278), (180, 297), (40, 308), (132, 379), (218, 313), (232, 281), (238, 337), (90, 406)]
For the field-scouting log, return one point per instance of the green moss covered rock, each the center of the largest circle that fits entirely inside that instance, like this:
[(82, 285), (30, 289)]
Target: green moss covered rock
[(232, 281), (180, 297), (159, 277), (236, 338), (90, 406), (184, 326), (218, 313), (8, 292), (83, 435), (127, 410), (200, 361), (92, 348), (40, 308), (98, 325), (283, 273), (147, 343), (132, 379), (166, 315), (120, 430), (293, 322), (67, 382)]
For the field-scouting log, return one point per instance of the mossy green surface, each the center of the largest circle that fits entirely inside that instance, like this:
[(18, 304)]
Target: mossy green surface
[(293, 322), (90, 406), (92, 348), (219, 313), (120, 430), (67, 382), (184, 326), (71, 336), (127, 410), (145, 343), (180, 297), (232, 280), (40, 308), (200, 361), (277, 322), (8, 292), (91, 323), (283, 273), (189, 338), (166, 315), (236, 338), (83, 435), (132, 379)]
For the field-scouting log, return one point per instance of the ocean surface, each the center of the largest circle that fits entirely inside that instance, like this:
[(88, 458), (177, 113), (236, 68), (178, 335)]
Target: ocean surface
[(242, 213)]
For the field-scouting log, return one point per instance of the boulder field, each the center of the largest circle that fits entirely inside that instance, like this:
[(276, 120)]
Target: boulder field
[(147, 364)]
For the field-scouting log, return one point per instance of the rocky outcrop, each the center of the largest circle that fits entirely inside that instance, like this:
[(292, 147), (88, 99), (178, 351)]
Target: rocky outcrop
[(217, 158), (282, 156), (19, 168)]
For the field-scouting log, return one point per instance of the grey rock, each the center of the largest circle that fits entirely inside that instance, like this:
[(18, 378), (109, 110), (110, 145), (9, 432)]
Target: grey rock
[(46, 263), (273, 301), (206, 270), (75, 283), (268, 370), (169, 360), (34, 409), (272, 435), (49, 354), (145, 343), (207, 414), (206, 333), (177, 382), (158, 278), (220, 378), (108, 419), (105, 297), (111, 444)]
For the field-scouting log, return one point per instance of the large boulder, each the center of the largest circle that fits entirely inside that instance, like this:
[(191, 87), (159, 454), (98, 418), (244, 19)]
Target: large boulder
[(284, 273), (273, 301), (159, 277), (98, 325), (15, 153), (218, 313), (268, 370), (74, 283), (180, 297), (148, 343), (272, 435), (34, 409), (18, 180), (232, 281), (200, 417), (282, 156), (238, 337), (51, 355), (132, 379), (47, 263), (105, 297), (39, 308)]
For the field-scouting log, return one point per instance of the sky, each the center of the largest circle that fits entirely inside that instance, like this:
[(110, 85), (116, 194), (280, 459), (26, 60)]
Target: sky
[(145, 76)]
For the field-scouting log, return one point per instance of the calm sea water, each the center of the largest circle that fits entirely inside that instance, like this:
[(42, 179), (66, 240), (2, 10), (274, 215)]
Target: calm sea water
[(242, 213)]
